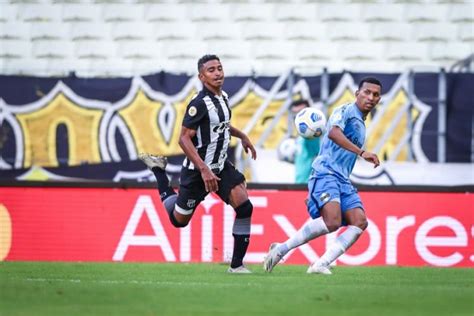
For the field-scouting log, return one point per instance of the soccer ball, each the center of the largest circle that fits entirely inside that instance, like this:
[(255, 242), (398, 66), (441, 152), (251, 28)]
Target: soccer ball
[(286, 150), (310, 123)]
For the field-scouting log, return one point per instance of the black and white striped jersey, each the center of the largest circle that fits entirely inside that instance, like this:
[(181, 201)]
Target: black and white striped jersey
[(209, 115)]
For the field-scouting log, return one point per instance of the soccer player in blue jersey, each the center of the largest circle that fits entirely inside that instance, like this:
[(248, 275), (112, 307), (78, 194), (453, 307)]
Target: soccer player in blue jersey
[(332, 199)]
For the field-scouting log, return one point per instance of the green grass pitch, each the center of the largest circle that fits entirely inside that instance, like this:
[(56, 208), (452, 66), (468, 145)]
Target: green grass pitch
[(41, 288)]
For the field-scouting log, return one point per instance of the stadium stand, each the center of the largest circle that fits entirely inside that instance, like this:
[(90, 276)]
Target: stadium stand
[(334, 34)]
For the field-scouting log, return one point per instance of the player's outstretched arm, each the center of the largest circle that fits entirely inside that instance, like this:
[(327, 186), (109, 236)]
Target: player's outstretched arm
[(246, 143), (185, 142), (337, 136)]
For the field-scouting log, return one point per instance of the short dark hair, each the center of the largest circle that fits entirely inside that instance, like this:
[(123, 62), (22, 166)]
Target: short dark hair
[(370, 80), (204, 59), (299, 102)]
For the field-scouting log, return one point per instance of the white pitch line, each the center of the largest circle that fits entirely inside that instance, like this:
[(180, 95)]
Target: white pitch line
[(176, 283)]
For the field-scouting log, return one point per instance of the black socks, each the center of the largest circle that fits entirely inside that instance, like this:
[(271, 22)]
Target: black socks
[(163, 183), (241, 243)]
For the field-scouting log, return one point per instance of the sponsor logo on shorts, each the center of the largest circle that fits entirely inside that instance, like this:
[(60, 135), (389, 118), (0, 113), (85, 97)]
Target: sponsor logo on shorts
[(324, 197), (191, 203)]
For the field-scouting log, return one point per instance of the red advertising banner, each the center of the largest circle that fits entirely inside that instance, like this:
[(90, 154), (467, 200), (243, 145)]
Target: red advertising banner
[(114, 224)]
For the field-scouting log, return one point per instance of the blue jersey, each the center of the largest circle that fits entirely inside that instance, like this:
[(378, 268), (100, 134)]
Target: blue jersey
[(332, 158)]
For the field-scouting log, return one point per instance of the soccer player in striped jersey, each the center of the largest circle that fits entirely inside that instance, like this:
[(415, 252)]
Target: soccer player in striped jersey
[(205, 137), (332, 199)]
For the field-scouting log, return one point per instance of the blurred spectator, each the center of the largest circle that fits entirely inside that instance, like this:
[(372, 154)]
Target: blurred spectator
[(306, 149)]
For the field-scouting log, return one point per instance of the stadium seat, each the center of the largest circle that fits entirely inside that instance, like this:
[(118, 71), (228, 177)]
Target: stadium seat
[(257, 31), (49, 31), (81, 13), (324, 51), (388, 32), (39, 12), (17, 31), (219, 31), (361, 51), (461, 13), (177, 31), (273, 50), (8, 13), (95, 49), (208, 13), (382, 12), (139, 49), (238, 66), (111, 67), (423, 13), (53, 49), (64, 67), (304, 31), (329, 12), (122, 12), (343, 31), (435, 32), (253, 12), (165, 12), (466, 32), (450, 53), (185, 50), (25, 66), (369, 66), (229, 50), (180, 66), (87, 31), (146, 66), (295, 12), (15, 49), (131, 31), (406, 51), (271, 68)]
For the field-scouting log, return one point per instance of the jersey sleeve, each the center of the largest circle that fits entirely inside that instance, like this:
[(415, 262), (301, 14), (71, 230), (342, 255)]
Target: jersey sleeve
[(195, 112), (338, 118)]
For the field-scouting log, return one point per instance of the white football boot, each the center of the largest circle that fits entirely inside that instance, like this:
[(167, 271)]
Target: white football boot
[(272, 258), (318, 268), (152, 161), (239, 270)]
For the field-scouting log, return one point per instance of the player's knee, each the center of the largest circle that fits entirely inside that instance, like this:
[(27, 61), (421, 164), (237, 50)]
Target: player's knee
[(333, 223), (244, 210), (362, 223), (178, 223)]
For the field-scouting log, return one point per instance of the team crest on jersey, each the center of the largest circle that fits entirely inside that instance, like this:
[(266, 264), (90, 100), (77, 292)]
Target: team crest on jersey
[(191, 203), (192, 111)]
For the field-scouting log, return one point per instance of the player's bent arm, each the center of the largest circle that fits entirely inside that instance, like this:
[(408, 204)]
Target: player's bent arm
[(236, 132), (337, 136), (246, 143)]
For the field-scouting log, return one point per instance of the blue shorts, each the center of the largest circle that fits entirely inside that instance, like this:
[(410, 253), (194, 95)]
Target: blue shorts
[(327, 188)]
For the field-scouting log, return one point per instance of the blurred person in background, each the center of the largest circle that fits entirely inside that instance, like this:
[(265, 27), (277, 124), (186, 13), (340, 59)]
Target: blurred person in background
[(332, 199), (205, 138), (306, 149)]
